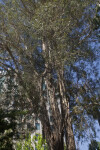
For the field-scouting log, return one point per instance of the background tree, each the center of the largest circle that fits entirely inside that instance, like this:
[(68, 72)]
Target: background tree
[(94, 145), (7, 129), (13, 118), (7, 120)]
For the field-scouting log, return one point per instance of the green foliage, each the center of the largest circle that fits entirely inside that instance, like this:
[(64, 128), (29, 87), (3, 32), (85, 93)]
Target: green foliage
[(99, 144), (26, 144), (39, 142)]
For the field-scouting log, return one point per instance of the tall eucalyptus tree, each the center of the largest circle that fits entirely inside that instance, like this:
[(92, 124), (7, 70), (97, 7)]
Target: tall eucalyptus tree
[(45, 43)]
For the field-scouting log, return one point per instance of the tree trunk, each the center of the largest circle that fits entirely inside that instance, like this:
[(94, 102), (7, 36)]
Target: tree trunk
[(62, 121), (70, 141), (57, 142)]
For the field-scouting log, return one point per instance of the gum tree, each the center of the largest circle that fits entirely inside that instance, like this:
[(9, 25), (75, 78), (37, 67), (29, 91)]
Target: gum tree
[(45, 43)]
